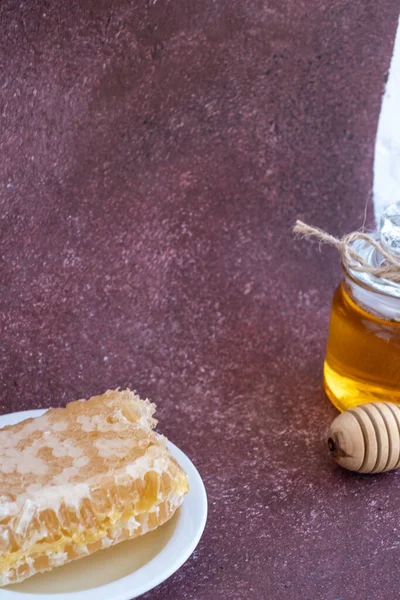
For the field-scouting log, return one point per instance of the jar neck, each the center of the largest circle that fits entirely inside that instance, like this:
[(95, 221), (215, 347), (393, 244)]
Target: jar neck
[(378, 304)]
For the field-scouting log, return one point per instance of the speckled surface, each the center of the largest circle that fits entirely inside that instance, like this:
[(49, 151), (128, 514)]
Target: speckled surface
[(154, 156)]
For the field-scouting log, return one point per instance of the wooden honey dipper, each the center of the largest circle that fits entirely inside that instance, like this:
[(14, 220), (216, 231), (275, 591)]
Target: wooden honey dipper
[(367, 438)]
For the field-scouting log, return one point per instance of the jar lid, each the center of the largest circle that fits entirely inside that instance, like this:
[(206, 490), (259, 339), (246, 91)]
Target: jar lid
[(389, 237)]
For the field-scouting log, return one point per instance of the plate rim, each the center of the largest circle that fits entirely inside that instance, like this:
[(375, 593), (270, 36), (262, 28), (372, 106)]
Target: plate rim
[(121, 589)]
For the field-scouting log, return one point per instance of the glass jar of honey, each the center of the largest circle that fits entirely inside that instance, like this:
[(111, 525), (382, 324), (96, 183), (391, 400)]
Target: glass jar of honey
[(362, 361)]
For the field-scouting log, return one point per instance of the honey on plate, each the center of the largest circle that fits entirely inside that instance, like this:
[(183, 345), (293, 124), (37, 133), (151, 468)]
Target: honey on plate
[(363, 353)]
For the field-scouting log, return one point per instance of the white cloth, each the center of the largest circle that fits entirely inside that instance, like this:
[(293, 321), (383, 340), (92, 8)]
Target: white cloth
[(387, 149)]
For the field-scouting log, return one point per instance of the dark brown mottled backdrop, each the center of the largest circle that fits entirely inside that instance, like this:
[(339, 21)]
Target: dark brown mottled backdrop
[(154, 155)]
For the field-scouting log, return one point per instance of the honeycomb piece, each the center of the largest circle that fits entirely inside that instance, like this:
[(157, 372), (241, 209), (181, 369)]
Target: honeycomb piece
[(82, 478)]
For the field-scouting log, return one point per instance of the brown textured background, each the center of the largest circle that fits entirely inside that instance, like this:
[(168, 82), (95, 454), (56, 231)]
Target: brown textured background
[(153, 158)]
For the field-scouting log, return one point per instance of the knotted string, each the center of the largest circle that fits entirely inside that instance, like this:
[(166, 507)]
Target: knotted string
[(389, 269)]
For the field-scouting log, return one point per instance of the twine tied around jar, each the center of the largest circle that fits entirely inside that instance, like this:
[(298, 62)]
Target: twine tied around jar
[(389, 269)]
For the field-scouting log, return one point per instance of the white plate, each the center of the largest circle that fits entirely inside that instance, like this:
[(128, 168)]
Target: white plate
[(131, 568)]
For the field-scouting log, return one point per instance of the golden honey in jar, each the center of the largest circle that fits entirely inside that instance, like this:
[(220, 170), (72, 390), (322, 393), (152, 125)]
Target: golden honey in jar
[(362, 362)]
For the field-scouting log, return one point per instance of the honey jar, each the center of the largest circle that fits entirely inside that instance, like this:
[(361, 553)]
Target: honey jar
[(362, 361)]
